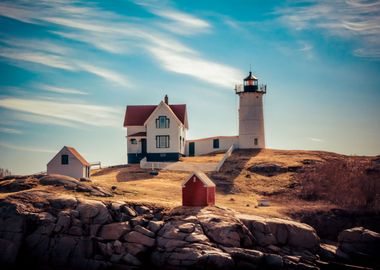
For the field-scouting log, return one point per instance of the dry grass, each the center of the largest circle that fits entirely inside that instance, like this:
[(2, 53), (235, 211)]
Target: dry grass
[(350, 182), (214, 157), (237, 187)]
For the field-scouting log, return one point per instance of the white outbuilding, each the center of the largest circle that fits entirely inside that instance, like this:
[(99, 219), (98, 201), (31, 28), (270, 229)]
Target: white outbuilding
[(69, 162)]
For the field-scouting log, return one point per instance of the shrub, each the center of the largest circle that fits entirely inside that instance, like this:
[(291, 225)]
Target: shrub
[(349, 182), (4, 172)]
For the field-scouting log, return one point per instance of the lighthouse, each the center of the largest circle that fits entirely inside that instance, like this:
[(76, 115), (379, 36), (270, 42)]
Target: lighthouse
[(251, 114)]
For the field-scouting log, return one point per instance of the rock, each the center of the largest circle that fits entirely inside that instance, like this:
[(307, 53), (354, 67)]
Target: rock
[(62, 250), (131, 260), (186, 227), (141, 209), (135, 249), (85, 179), (216, 260), (63, 223), (114, 231), (227, 232), (63, 201), (139, 238), (359, 242), (249, 255), (106, 248), (271, 169), (144, 231), (77, 231), (275, 231), (128, 210), (327, 251), (14, 185), (273, 261), (8, 252), (60, 180), (94, 212), (170, 244), (139, 220), (71, 183), (155, 226)]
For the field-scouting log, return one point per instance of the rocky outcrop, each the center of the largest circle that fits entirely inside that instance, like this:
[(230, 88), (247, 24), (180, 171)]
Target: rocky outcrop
[(280, 232), (65, 232), (71, 183), (271, 169), (359, 242)]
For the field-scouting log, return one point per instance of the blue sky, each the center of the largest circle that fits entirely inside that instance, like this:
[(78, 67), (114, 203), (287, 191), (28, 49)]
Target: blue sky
[(69, 68)]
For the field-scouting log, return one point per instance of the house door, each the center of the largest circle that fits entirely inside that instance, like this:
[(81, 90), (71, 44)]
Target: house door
[(191, 149), (143, 146)]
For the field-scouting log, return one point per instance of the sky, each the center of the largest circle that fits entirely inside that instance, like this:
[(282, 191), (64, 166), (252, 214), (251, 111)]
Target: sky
[(69, 68)]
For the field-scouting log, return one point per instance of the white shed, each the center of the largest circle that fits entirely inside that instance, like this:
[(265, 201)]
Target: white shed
[(69, 162)]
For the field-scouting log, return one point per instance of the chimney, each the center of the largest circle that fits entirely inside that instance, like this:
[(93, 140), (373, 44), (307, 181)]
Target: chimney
[(166, 99)]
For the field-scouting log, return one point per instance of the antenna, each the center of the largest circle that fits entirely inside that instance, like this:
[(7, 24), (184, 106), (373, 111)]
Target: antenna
[(250, 68)]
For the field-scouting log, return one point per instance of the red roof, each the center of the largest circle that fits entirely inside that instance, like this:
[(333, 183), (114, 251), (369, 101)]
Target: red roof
[(138, 134), (78, 156), (137, 115)]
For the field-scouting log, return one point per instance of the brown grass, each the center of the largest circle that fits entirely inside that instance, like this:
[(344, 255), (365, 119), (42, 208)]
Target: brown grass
[(351, 182)]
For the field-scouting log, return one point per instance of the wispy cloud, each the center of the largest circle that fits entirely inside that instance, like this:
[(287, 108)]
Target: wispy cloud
[(195, 66), (318, 140), (58, 59), (114, 33), (352, 19), (60, 90), (76, 113), (10, 130), (25, 148), (182, 23)]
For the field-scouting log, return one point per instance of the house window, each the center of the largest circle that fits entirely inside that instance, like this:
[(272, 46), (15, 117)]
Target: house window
[(162, 122), (133, 141), (162, 141), (65, 159), (215, 143), (256, 141)]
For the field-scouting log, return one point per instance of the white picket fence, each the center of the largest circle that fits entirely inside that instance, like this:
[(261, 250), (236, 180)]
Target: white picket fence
[(226, 155), (144, 164)]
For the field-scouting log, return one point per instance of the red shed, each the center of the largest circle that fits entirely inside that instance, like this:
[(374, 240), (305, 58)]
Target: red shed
[(198, 190)]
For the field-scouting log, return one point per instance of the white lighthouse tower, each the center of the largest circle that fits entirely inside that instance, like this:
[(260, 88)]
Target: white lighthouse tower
[(251, 115)]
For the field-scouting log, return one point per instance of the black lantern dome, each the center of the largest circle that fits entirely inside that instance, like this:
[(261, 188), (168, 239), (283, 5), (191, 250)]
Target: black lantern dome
[(251, 83)]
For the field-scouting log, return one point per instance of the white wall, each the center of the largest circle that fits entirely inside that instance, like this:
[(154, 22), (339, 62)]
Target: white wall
[(74, 168), (251, 120), (134, 148), (173, 131), (205, 146)]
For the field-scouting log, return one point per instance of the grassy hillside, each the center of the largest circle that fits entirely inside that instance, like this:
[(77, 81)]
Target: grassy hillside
[(291, 180)]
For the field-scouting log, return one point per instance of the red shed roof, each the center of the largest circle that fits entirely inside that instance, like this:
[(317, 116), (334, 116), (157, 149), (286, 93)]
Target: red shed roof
[(78, 156), (137, 115), (201, 176)]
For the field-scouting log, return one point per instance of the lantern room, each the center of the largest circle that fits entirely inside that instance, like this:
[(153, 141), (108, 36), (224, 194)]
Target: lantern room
[(251, 83)]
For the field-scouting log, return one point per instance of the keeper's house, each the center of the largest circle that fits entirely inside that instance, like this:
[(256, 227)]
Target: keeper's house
[(157, 132)]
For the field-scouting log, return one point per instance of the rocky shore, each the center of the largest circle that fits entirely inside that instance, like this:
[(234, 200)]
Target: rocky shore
[(43, 230)]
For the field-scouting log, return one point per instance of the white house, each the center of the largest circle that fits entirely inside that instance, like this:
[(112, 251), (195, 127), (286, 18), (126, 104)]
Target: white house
[(208, 145), (69, 162), (157, 132)]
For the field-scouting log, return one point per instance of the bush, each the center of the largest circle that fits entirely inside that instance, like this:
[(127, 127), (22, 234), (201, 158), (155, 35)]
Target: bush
[(4, 172), (350, 182)]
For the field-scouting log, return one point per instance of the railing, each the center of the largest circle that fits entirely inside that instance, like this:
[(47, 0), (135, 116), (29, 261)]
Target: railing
[(92, 164), (226, 155), (144, 164), (261, 88)]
